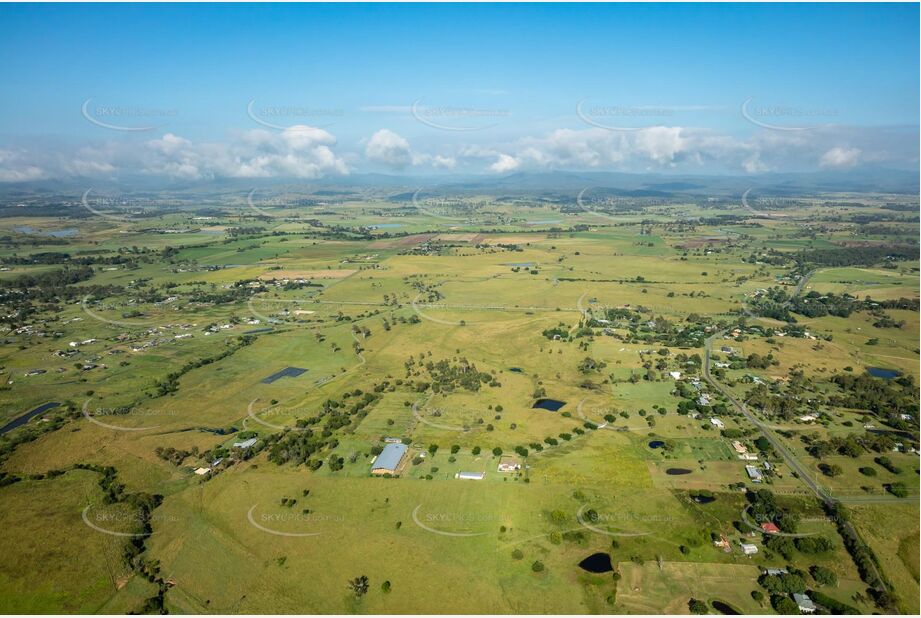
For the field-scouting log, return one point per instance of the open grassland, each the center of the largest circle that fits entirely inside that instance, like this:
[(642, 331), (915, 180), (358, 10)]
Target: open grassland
[(171, 363)]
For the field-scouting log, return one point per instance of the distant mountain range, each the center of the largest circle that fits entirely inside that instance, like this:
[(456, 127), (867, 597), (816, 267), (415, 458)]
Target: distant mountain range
[(554, 183)]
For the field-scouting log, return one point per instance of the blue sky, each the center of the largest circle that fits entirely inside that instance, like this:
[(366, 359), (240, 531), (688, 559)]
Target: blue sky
[(473, 88)]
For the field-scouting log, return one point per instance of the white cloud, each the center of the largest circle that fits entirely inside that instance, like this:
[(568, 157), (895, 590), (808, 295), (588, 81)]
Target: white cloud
[(444, 163), (14, 167), (840, 157), (505, 163), (297, 152), (390, 149), (303, 151)]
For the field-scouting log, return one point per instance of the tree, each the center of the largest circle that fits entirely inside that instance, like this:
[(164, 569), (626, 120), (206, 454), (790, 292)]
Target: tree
[(537, 566), (783, 604), (823, 576), (385, 587), (359, 585), (497, 452), (517, 554), (698, 607)]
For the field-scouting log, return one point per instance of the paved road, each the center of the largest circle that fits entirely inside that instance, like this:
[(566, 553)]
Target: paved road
[(789, 458), (766, 431)]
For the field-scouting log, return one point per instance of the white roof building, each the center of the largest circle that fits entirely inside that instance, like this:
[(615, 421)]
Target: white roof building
[(804, 603), (470, 476)]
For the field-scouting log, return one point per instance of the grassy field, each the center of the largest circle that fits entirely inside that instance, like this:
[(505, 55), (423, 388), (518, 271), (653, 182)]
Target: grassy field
[(169, 367)]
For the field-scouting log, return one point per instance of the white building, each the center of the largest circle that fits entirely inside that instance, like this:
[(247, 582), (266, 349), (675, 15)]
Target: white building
[(804, 603), (753, 473), (470, 476)]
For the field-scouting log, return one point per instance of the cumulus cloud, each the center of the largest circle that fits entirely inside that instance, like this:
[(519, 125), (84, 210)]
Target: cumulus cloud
[(662, 147), (307, 152), (15, 167), (840, 157), (505, 163), (390, 149), (297, 152)]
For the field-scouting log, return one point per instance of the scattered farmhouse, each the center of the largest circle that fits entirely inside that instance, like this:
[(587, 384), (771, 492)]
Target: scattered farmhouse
[(470, 476), (754, 473), (245, 444), (770, 571), (717, 423), (748, 549), (388, 462), (804, 603), (770, 527)]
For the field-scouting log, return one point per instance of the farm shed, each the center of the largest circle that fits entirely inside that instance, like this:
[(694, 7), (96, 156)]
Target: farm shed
[(390, 459)]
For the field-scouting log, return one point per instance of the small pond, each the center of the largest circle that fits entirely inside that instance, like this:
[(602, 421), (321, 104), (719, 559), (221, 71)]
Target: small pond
[(725, 608), (549, 404), (703, 499), (62, 233), (516, 369), (886, 374), (287, 372), (25, 418), (656, 444), (597, 563), (677, 471)]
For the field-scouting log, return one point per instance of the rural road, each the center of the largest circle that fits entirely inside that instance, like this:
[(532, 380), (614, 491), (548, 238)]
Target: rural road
[(788, 457)]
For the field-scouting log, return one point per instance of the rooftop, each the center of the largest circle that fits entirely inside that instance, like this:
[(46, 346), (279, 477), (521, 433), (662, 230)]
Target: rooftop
[(390, 457)]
